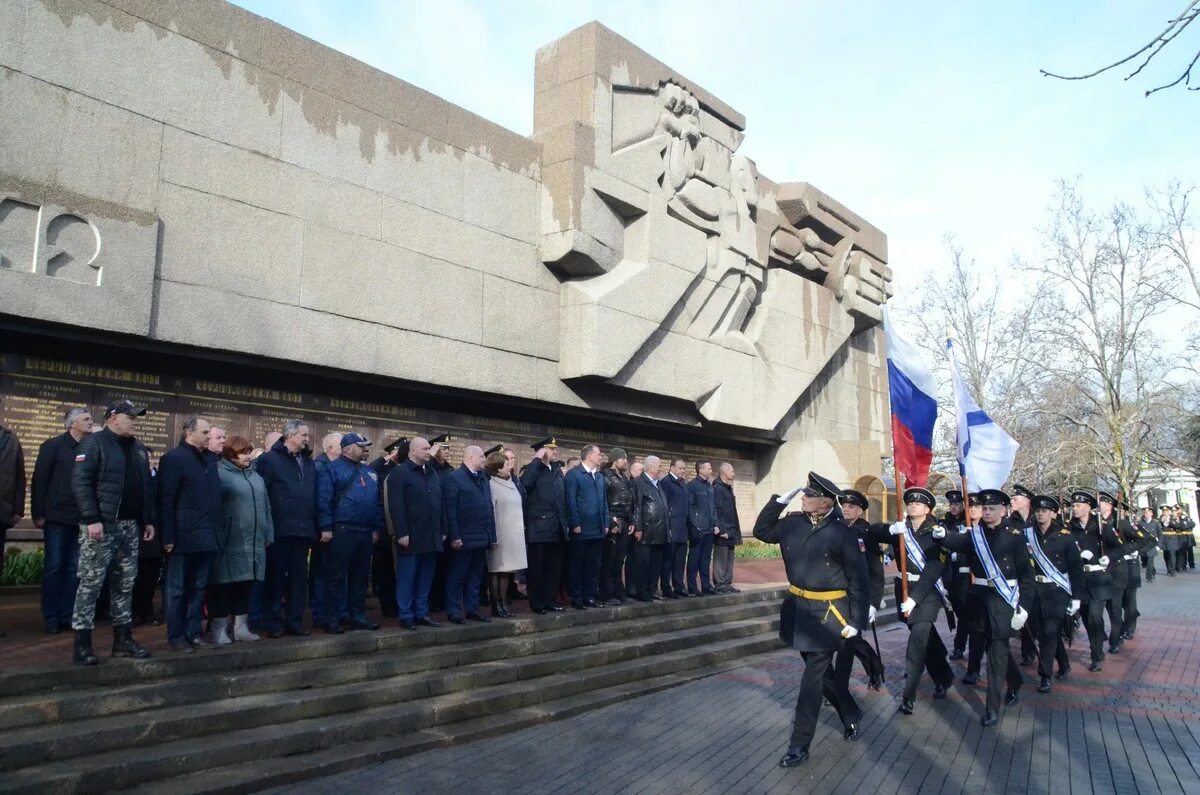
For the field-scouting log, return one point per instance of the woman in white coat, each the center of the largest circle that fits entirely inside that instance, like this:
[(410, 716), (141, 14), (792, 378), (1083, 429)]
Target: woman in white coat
[(507, 555)]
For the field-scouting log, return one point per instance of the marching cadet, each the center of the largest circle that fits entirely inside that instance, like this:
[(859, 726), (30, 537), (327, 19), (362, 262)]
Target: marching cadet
[(1171, 539), (1058, 589), (956, 578), (1020, 518), (854, 504), (1188, 546), (1098, 545), (1001, 571), (1118, 571), (926, 594), (975, 617), (827, 601)]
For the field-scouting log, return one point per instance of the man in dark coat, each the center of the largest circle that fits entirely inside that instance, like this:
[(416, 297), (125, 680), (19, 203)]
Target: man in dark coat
[(675, 559), (383, 562), (189, 511), (1058, 588), (55, 511), (416, 523), (350, 509), (1001, 571), (924, 564), (545, 525), (12, 486), (470, 530), (115, 497), (1099, 545), (1020, 517), (1118, 570), (290, 476), (651, 517), (619, 540), (827, 601), (729, 529), (588, 520), (1152, 529), (853, 505), (956, 578), (702, 528)]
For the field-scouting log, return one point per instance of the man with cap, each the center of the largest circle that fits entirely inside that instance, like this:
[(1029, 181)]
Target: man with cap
[(545, 525), (383, 564), (854, 505), (1187, 528), (828, 601), (1058, 586), (619, 539), (999, 561), (1099, 545), (1126, 571), (1152, 529), (349, 507), (114, 493), (1019, 518), (439, 463), (926, 597), (956, 578)]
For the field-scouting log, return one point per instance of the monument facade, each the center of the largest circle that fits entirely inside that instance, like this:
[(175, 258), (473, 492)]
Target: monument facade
[(194, 195)]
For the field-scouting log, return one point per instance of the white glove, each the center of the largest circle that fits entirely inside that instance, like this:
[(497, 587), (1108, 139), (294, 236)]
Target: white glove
[(897, 529), (953, 556), (939, 532), (871, 614), (907, 605), (1086, 554), (1073, 607), (784, 499), (1103, 560), (849, 632), (1018, 619), (883, 603)]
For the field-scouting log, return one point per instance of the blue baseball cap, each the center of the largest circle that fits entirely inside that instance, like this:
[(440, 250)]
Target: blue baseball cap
[(355, 438)]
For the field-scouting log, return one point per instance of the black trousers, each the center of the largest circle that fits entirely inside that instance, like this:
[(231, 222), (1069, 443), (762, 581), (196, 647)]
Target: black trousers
[(699, 563), (287, 584), (614, 553), (815, 683), (648, 560), (1150, 569), (679, 567), (543, 574), (857, 648), (148, 572), (1116, 615), (926, 652), (1129, 611), (229, 599), (437, 590), (1190, 552), (584, 564), (1001, 665), (1093, 622), (383, 576), (1046, 626)]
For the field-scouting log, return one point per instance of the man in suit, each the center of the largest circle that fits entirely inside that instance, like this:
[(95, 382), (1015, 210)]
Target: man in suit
[(470, 530), (729, 529), (702, 528), (651, 518), (675, 559), (545, 525), (588, 519)]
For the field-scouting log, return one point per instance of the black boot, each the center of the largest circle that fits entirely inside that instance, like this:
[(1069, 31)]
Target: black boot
[(125, 646), (83, 648)]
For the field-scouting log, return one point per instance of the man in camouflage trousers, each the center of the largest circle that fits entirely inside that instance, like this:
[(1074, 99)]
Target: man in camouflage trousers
[(113, 489)]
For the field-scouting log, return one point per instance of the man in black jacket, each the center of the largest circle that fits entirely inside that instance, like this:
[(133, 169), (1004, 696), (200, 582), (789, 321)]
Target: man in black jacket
[(1058, 588), (545, 525), (702, 528), (54, 511), (189, 510), (12, 486), (290, 476), (413, 511), (651, 517), (115, 497), (729, 526), (619, 539), (675, 558), (1099, 544)]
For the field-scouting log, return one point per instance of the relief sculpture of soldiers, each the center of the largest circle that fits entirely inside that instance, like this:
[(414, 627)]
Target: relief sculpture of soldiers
[(507, 396)]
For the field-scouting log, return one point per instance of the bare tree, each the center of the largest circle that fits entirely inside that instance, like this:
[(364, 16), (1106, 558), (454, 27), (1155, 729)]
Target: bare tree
[(1150, 50)]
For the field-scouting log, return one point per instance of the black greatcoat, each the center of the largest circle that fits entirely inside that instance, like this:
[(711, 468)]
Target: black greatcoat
[(1060, 547), (923, 590), (828, 557), (1009, 548)]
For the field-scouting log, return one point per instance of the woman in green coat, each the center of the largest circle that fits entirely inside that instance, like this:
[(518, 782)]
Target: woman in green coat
[(242, 540)]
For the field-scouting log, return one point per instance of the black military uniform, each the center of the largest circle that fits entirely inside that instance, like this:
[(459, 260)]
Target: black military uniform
[(545, 529), (438, 464), (827, 601), (383, 561), (1137, 543), (1019, 521), (1052, 603), (1118, 571), (858, 646), (957, 579), (1098, 546), (925, 648), (1008, 550)]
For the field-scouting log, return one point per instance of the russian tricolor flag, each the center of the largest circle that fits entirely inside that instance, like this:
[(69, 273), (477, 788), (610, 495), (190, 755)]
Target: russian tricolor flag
[(914, 408)]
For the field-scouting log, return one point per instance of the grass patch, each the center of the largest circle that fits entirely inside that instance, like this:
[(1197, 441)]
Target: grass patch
[(756, 550), (23, 568)]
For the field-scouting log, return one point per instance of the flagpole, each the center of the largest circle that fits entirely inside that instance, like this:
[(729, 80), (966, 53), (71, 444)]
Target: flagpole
[(903, 562)]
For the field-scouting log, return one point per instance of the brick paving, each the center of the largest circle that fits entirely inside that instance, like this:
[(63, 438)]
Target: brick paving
[(1134, 728)]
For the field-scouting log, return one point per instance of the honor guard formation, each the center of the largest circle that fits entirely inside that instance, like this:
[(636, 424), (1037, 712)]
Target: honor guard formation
[(999, 566)]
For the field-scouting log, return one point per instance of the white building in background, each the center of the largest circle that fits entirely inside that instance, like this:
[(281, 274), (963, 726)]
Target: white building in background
[(1170, 487)]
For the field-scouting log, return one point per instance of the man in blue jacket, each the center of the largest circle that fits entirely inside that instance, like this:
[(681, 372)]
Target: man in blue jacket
[(470, 530), (415, 519), (588, 520), (702, 526), (189, 513), (349, 507), (291, 479), (674, 488)]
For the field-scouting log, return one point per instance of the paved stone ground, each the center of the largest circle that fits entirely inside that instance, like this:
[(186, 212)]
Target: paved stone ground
[(1133, 728)]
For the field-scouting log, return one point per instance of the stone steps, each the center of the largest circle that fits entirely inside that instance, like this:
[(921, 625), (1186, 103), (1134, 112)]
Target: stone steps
[(239, 722)]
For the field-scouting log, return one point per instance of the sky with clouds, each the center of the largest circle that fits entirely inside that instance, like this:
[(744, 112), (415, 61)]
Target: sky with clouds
[(927, 118)]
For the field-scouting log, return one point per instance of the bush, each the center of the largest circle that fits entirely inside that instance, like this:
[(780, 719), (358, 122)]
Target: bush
[(23, 568), (754, 549)]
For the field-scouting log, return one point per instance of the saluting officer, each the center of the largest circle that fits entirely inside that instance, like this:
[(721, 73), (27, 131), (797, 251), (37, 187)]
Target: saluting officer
[(1098, 546), (926, 596), (854, 504), (1001, 571), (827, 601), (1058, 589)]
